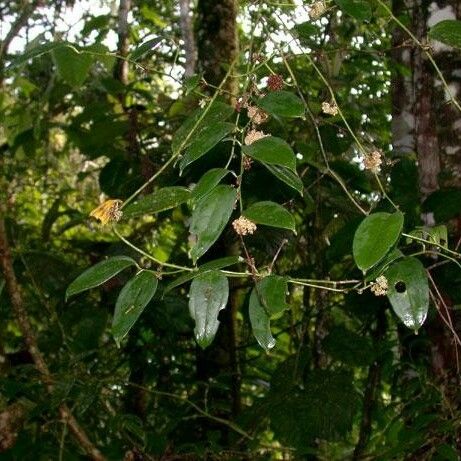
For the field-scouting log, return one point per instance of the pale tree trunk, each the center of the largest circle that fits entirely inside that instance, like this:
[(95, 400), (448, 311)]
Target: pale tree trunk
[(188, 37), (426, 123)]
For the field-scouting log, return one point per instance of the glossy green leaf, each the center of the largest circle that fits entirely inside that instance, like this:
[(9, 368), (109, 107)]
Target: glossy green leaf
[(98, 274), (160, 200), (211, 265), (358, 9), (72, 65), (208, 182), (145, 48), (282, 104), (408, 291), (272, 291), (132, 300), (377, 270), (205, 140), (189, 131), (260, 322), (207, 296), (210, 217), (270, 214), (447, 32), (273, 151), (287, 176), (375, 237)]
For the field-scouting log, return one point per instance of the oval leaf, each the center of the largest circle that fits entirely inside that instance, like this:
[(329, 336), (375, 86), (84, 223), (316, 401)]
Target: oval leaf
[(447, 32), (375, 237), (98, 274), (282, 104), (160, 200), (210, 217), (72, 66), (208, 295), (260, 322), (145, 48), (208, 137), (191, 128), (208, 182), (287, 176), (270, 214), (131, 301), (272, 150), (272, 291), (408, 291)]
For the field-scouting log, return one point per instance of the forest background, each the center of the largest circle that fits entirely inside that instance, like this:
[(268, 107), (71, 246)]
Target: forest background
[(230, 230)]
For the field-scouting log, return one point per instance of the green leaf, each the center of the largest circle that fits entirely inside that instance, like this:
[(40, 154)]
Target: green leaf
[(211, 265), (160, 200), (72, 65), (272, 291), (205, 140), (132, 300), (207, 296), (190, 129), (34, 52), (375, 237), (447, 32), (392, 256), (260, 322), (358, 9), (270, 214), (282, 104), (208, 182), (145, 48), (190, 83), (273, 151), (437, 235), (408, 291), (210, 217), (98, 274), (287, 176)]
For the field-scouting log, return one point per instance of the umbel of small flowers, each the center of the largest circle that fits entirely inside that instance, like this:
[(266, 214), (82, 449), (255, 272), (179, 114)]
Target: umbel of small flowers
[(373, 161), (243, 226), (254, 135), (317, 9), (380, 286), (330, 108)]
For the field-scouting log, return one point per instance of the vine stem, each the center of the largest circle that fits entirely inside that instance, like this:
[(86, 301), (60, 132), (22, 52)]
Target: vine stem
[(184, 142), (329, 171), (147, 255)]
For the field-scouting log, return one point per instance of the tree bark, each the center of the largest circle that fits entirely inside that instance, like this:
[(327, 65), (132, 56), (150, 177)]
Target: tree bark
[(217, 47), (188, 37)]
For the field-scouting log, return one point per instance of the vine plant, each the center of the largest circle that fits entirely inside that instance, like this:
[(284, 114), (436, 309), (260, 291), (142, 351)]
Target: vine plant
[(380, 245)]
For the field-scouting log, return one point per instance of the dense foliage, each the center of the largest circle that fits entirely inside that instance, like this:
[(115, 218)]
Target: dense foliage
[(246, 268)]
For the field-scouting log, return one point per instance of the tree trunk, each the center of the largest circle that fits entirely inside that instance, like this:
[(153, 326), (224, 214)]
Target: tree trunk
[(188, 37), (217, 46), (426, 123)]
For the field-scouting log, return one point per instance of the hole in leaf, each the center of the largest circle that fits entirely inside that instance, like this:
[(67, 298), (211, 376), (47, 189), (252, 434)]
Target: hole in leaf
[(400, 287), (443, 242)]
